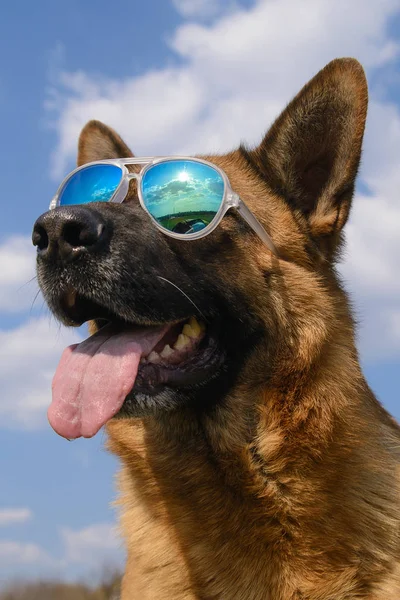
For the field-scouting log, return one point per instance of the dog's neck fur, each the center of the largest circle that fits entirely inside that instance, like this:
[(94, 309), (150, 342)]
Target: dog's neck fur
[(252, 489)]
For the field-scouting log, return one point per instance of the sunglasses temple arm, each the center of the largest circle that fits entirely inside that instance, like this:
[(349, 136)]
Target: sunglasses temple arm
[(256, 225)]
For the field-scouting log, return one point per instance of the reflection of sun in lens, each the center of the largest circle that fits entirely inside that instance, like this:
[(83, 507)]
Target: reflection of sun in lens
[(183, 176)]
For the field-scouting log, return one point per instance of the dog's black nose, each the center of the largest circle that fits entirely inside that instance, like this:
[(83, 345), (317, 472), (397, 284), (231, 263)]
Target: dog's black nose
[(67, 232)]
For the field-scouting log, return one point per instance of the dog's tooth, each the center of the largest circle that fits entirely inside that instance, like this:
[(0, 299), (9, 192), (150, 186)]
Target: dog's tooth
[(189, 331), (154, 357), (181, 342), (195, 326), (167, 351)]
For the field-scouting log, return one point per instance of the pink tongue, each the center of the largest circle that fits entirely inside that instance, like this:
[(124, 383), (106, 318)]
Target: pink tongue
[(94, 377)]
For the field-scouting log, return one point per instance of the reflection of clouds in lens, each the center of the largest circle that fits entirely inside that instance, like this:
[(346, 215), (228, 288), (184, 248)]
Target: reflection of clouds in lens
[(182, 187), (103, 193), (216, 186), (177, 186), (96, 183), (178, 197)]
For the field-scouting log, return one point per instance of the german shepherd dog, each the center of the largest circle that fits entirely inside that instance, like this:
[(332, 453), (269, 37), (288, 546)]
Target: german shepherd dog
[(261, 467)]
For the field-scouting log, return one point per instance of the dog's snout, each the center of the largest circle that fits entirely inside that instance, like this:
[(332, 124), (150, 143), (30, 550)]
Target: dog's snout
[(65, 233)]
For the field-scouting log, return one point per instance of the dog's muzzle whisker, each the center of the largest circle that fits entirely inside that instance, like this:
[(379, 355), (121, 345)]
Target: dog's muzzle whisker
[(186, 296)]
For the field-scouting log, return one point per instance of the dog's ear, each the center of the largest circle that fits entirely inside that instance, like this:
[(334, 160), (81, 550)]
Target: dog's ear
[(312, 152), (98, 142)]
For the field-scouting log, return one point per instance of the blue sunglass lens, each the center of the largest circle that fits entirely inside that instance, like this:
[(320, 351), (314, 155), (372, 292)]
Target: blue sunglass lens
[(183, 196), (95, 183)]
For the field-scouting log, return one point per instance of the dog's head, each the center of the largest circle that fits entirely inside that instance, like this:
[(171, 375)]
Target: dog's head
[(227, 309)]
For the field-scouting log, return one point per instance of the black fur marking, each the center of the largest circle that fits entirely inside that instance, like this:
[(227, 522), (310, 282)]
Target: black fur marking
[(130, 279)]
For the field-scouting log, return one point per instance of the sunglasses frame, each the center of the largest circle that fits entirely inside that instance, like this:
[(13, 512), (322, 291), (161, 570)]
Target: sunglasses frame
[(229, 200)]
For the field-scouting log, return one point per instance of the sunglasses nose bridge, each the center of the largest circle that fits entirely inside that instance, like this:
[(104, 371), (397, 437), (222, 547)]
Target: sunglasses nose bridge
[(133, 176)]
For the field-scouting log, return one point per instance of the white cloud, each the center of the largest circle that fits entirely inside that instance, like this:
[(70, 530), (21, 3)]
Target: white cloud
[(30, 352), (372, 268), (233, 78), (88, 550), (12, 553), (28, 357), (182, 101), (266, 38), (393, 324), (18, 286), (373, 245), (91, 545), (203, 9), (191, 8), (11, 516)]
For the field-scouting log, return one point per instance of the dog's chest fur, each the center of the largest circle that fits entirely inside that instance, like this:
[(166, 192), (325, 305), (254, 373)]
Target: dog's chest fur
[(244, 524)]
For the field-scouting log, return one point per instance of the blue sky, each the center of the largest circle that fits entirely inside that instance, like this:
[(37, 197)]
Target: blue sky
[(179, 76)]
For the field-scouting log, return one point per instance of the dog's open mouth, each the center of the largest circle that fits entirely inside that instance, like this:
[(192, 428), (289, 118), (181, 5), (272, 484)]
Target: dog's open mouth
[(95, 377)]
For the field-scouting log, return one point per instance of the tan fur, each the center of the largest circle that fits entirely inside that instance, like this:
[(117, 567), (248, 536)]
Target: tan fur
[(288, 490)]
